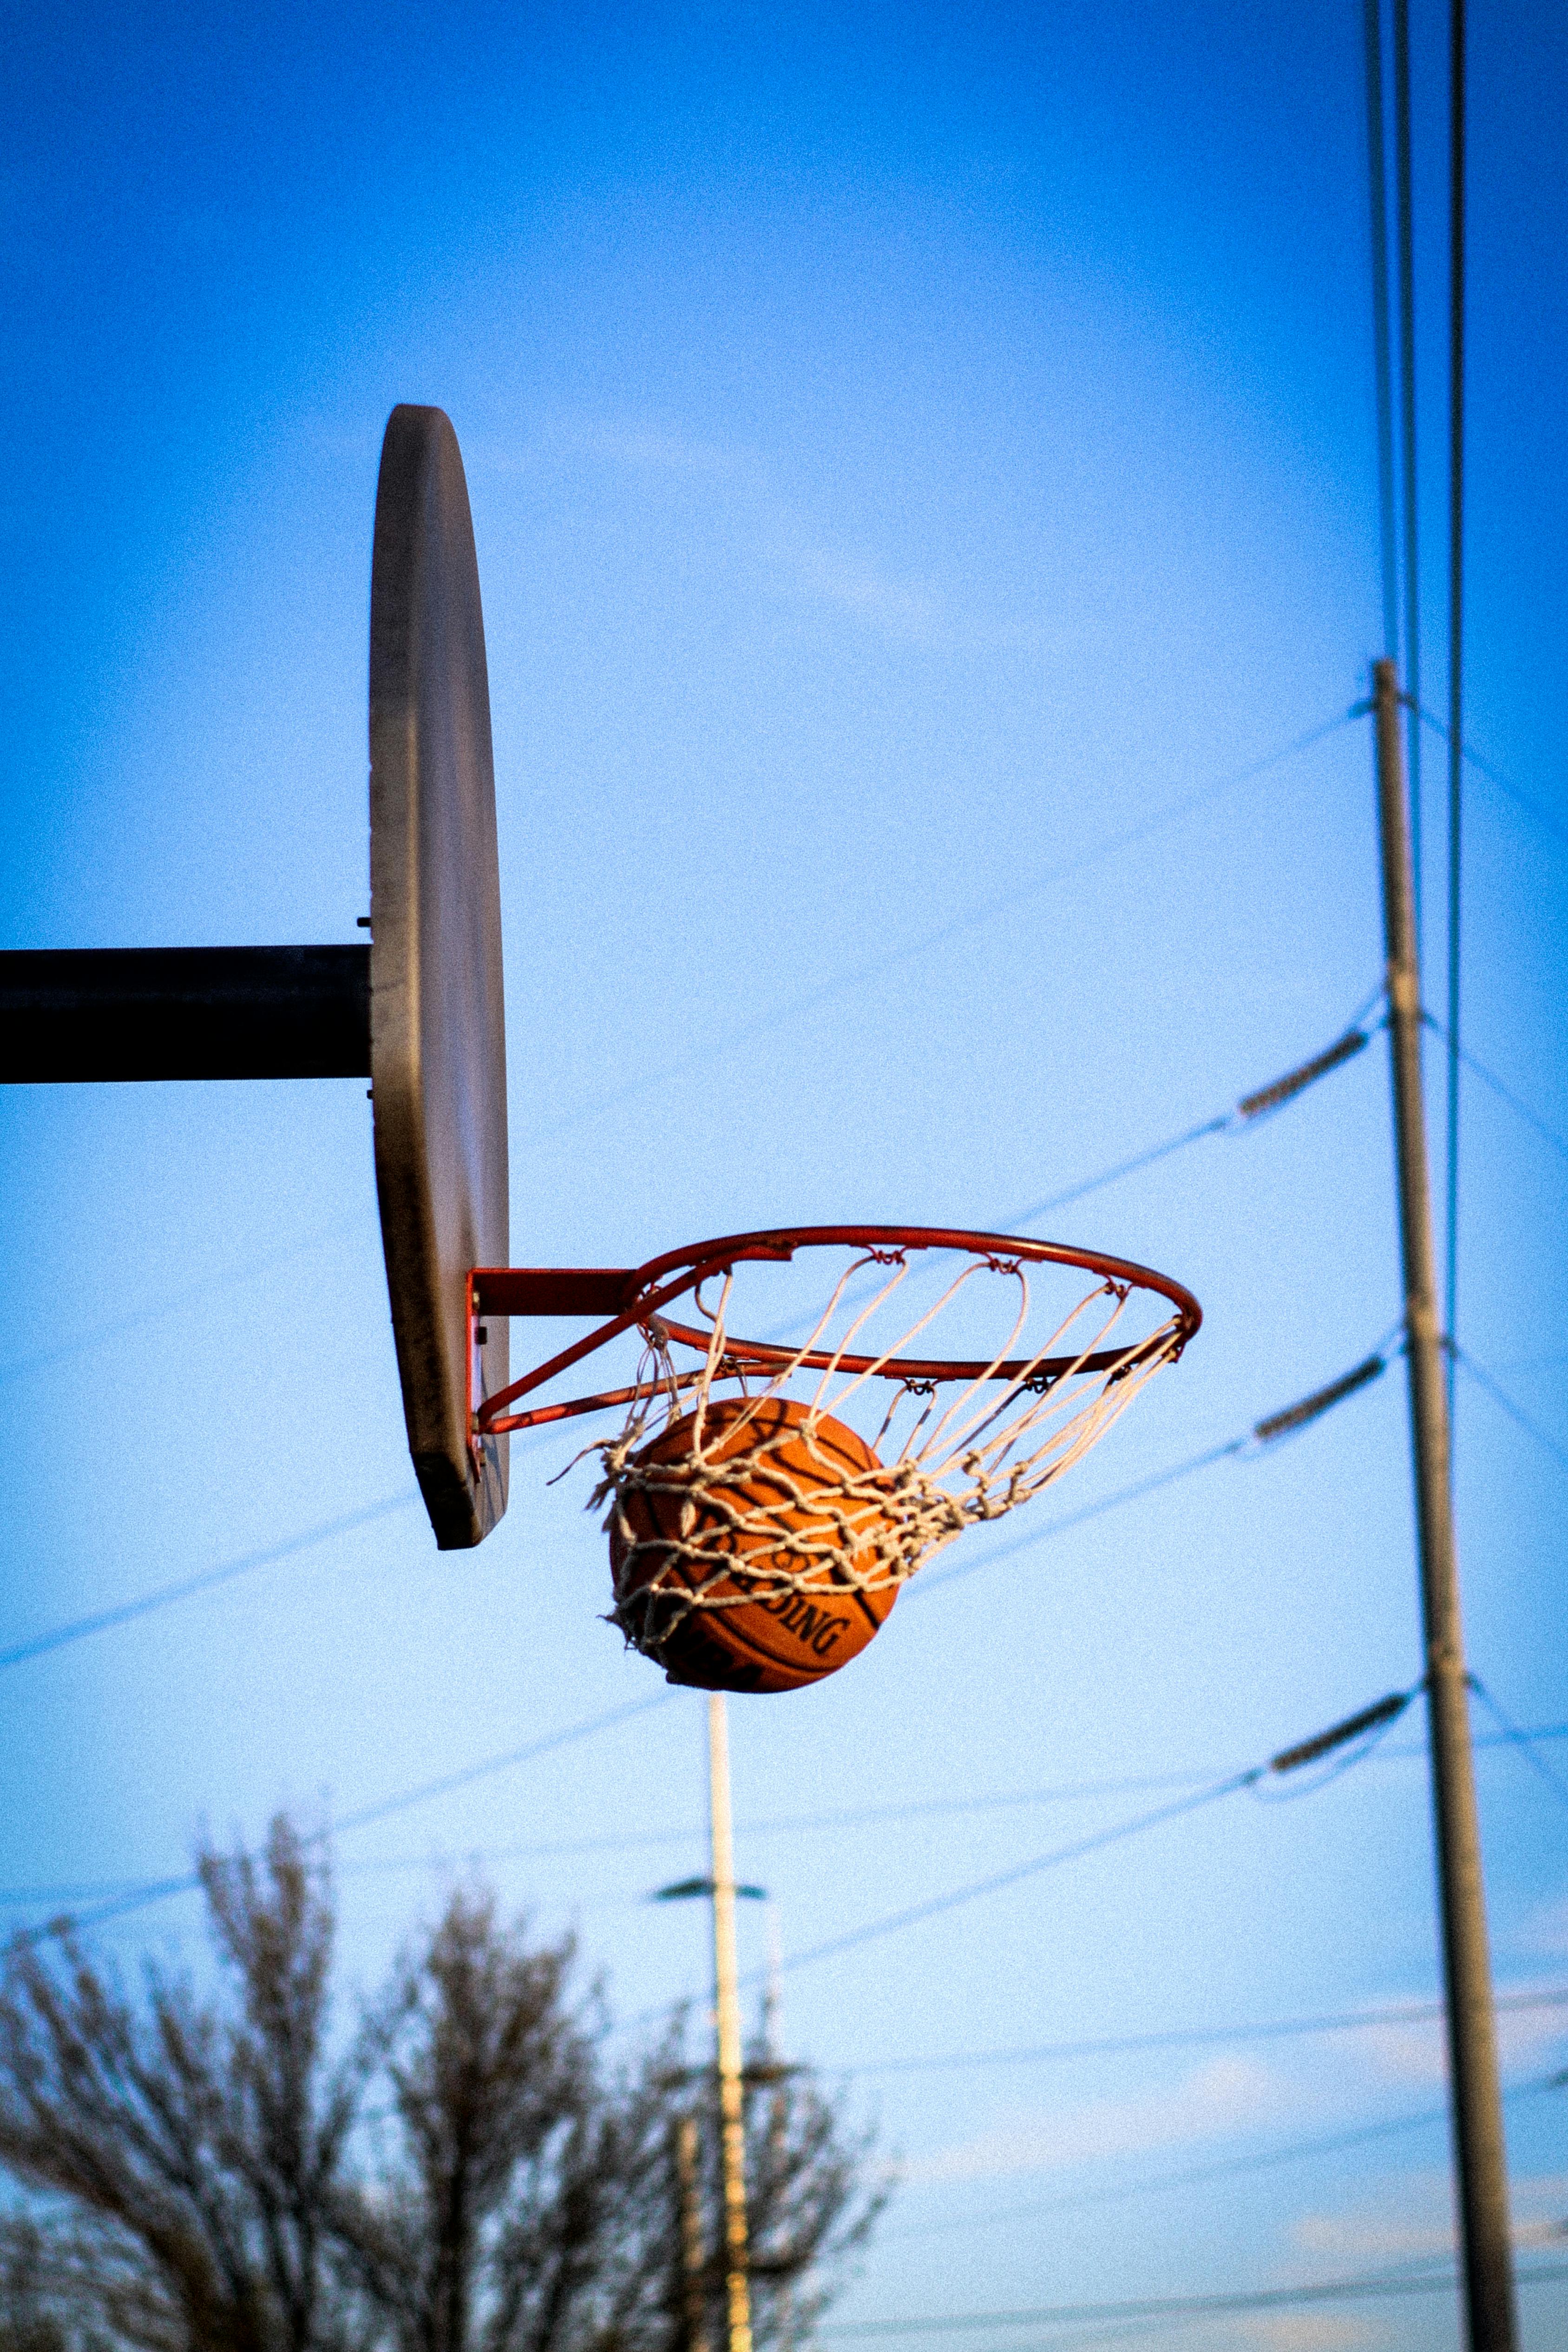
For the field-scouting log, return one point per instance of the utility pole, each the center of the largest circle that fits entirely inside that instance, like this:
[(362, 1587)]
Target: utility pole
[(727, 2004), (773, 2059), (688, 2176), (1480, 2158)]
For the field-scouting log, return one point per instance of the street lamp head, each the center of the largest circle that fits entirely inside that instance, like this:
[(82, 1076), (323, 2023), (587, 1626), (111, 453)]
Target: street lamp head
[(686, 1889)]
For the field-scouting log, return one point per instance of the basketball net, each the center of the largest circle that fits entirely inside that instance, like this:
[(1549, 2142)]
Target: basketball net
[(737, 1524)]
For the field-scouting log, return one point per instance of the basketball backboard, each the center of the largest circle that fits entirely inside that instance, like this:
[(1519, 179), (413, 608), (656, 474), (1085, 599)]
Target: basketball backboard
[(438, 1043)]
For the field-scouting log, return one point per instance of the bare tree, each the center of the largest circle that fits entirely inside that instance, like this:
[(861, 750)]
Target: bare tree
[(196, 2142), (466, 2170)]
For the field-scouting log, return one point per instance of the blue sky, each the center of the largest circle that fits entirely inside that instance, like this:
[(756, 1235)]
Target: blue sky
[(909, 456)]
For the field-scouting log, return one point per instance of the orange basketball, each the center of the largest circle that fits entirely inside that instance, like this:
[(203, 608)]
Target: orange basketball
[(781, 1486)]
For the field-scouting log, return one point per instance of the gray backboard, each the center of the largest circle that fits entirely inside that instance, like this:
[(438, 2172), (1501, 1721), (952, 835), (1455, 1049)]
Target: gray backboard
[(438, 1047)]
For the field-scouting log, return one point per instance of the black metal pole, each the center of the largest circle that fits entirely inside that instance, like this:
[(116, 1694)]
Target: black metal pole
[(115, 1014), (1480, 2157)]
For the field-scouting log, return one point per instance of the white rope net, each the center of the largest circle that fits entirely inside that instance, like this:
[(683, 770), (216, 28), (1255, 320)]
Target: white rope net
[(716, 1505)]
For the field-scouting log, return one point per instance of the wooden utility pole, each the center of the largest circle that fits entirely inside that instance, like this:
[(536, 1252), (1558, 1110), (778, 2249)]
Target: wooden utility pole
[(1479, 2159), (688, 2176), (726, 2003)]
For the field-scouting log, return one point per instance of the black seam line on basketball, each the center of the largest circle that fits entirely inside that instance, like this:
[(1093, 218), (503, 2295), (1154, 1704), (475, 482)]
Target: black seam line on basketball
[(1372, 2285), (873, 967), (1505, 1093), (1264, 1437), (1191, 2037), (17, 1897), (158, 1890), (1500, 1397), (1542, 817), (1195, 2176), (205, 1581), (1282, 1761)]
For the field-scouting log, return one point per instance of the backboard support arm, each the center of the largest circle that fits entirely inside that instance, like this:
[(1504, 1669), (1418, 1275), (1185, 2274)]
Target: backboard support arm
[(96, 1014)]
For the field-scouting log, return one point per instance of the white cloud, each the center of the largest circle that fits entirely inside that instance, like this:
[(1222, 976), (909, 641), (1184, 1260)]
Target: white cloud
[(1306, 2331), (1411, 2220), (797, 558), (1417, 2053), (1226, 2096)]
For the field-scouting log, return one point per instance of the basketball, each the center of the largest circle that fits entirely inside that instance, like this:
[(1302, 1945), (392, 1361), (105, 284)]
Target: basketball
[(775, 1484)]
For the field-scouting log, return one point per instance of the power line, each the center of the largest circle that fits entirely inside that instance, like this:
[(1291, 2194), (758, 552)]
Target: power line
[(1499, 1396), (427, 1790), (1193, 2037), (170, 1303), (1373, 2286), (1504, 1094), (1456, 642), (936, 1905), (1406, 212), (1171, 813), (1520, 1739), (1264, 1434), (1505, 784), (1196, 2175), (158, 1890), (1378, 191), (162, 1597), (1286, 1761), (887, 959), (1249, 1112), (780, 1826)]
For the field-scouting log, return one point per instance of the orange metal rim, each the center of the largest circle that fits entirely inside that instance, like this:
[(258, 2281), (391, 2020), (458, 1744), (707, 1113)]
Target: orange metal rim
[(646, 1290)]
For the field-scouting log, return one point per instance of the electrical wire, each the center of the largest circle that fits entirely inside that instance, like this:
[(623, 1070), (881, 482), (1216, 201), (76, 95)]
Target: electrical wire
[(1520, 1739), (1505, 784), (1373, 2286), (76, 1629), (81, 1342), (158, 1890), (1162, 818), (1286, 1761), (1504, 1094), (1241, 1116), (780, 1826), (1193, 2037), (1499, 1396), (934, 1906), (1456, 645), (1269, 1432), (1196, 2175), (934, 1581), (164, 1596), (1377, 192), (1405, 208), (888, 959)]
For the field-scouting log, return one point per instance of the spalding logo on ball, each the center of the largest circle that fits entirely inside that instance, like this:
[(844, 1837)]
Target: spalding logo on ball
[(752, 1548)]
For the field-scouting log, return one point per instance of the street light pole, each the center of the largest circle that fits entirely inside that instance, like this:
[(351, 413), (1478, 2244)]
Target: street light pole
[(1480, 2158), (727, 2004)]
